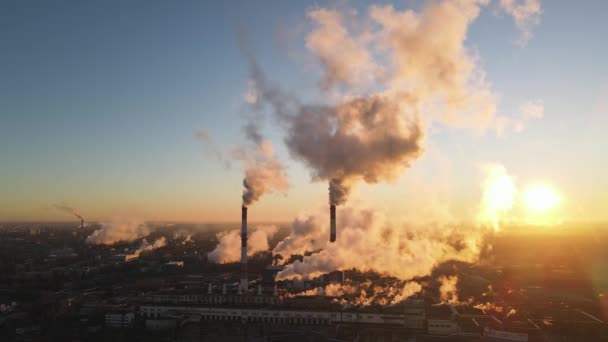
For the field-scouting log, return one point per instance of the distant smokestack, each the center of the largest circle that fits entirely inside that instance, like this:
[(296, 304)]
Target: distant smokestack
[(81, 223), (259, 290), (332, 223), (210, 289), (275, 291), (244, 249), (224, 290)]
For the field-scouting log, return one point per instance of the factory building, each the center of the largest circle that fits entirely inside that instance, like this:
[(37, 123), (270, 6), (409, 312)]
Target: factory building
[(119, 319), (274, 315)]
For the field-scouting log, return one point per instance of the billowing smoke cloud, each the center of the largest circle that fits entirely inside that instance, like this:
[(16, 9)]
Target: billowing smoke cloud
[(526, 14), (365, 138), (264, 173), (66, 208), (119, 230), (369, 243), (228, 248), (367, 293), (375, 135), (344, 57), (448, 291)]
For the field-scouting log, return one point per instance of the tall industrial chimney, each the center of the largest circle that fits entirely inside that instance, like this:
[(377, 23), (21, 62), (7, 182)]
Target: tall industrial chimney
[(332, 228), (244, 249)]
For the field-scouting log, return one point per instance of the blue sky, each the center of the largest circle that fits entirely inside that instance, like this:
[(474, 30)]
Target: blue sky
[(100, 102)]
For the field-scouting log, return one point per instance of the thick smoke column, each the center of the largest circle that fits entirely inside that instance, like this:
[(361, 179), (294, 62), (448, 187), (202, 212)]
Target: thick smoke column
[(68, 209)]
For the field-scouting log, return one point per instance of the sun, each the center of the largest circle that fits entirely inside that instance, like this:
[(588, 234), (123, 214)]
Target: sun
[(541, 198)]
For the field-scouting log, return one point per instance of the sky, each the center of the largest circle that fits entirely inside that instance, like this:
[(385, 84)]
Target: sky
[(101, 102)]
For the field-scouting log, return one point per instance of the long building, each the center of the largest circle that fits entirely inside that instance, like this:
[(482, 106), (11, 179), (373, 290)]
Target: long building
[(282, 315)]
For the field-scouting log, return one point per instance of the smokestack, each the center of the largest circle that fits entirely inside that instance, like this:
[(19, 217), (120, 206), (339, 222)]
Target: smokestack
[(259, 290), (332, 223), (224, 290), (275, 291), (244, 286), (81, 223), (210, 289)]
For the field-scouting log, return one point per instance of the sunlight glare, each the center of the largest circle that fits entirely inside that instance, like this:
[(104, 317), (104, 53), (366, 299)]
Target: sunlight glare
[(541, 198)]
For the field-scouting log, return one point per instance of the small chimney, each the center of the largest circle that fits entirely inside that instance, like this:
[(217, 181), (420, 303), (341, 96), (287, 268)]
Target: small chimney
[(224, 291), (259, 290), (275, 291), (243, 285), (81, 223), (332, 223), (210, 289)]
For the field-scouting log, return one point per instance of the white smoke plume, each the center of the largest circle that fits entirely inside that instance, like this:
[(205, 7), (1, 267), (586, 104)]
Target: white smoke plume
[(183, 235), (375, 135), (526, 14), (344, 57), (366, 293), (66, 208), (118, 230), (147, 247), (228, 248), (264, 173), (448, 293), (369, 243)]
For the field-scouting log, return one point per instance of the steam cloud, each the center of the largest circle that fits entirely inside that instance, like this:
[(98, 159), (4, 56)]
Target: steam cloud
[(447, 290), (228, 247), (367, 293), (119, 230), (371, 128), (370, 243), (147, 247), (264, 173)]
